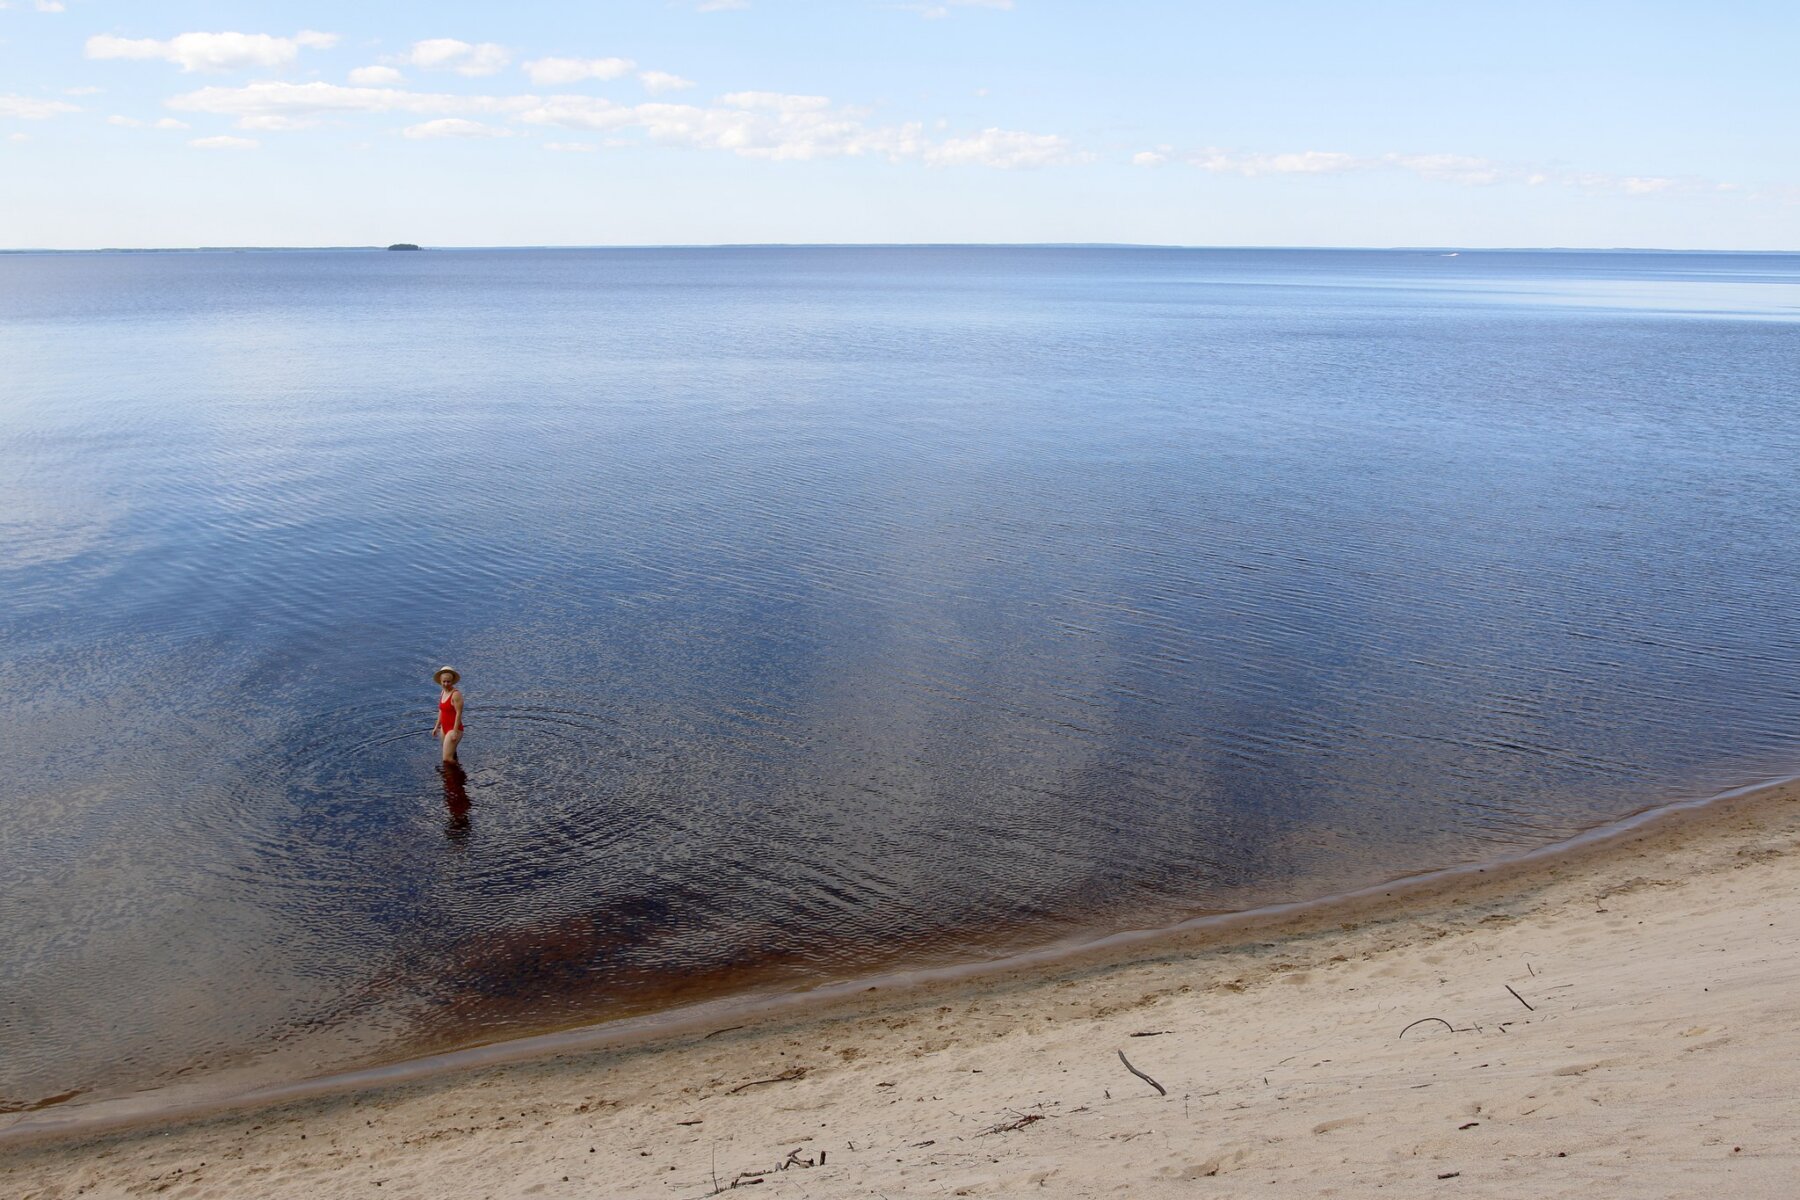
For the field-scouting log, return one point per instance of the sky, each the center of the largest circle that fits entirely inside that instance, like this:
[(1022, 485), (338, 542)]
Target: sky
[(1657, 123)]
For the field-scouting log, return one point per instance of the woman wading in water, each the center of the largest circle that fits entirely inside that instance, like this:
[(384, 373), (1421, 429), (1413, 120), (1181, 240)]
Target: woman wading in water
[(450, 707)]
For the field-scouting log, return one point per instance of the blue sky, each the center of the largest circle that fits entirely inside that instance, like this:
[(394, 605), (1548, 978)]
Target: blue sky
[(139, 123)]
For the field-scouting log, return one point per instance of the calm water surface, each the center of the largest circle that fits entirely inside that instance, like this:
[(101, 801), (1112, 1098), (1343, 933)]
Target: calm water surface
[(824, 610)]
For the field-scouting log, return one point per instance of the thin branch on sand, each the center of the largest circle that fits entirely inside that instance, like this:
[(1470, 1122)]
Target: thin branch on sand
[(1519, 998), (1423, 1020), (790, 1074), (1160, 1089), (1024, 1119)]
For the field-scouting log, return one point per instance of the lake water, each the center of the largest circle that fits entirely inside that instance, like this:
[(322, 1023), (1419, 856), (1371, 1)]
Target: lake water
[(823, 611)]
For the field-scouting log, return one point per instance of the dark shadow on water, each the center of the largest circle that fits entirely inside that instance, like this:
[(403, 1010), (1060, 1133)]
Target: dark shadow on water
[(456, 800)]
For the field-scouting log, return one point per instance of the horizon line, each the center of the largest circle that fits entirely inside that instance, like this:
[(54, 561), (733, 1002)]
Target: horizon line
[(886, 246)]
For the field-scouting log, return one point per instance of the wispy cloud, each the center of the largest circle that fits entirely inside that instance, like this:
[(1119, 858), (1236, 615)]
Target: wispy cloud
[(274, 97), (1462, 169), (1305, 162), (1002, 148), (658, 82), (551, 72), (937, 10), (376, 76), (275, 123), (212, 52), (224, 142), (136, 123), (465, 58), (777, 126), (786, 128), (454, 127), (712, 6), (29, 108)]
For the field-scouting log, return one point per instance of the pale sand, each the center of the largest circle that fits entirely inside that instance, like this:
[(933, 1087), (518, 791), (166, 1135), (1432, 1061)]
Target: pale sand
[(1661, 1057)]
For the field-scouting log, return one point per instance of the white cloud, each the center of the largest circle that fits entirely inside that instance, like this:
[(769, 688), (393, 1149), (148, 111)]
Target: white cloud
[(938, 11), (1003, 148), (571, 147), (18, 137), (51, 6), (291, 99), (579, 112), (549, 72), (710, 6), (1148, 158), (453, 127), (767, 125), (1445, 168), (1305, 162), (1462, 169), (82, 91), (275, 123), (135, 123), (778, 101), (28, 108), (1448, 168), (224, 142), (449, 54), (212, 51), (375, 76), (658, 82)]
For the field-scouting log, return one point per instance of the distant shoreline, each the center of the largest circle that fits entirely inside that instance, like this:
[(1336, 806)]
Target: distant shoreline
[(909, 246)]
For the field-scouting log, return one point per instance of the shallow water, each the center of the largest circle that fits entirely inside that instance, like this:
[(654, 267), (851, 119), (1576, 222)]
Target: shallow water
[(827, 610)]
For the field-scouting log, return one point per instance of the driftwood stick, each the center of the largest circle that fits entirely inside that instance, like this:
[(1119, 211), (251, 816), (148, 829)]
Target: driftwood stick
[(1519, 998), (785, 1076), (1422, 1020), (1024, 1119), (1160, 1089)]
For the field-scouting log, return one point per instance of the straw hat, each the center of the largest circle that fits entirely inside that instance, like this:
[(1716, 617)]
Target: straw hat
[(437, 675)]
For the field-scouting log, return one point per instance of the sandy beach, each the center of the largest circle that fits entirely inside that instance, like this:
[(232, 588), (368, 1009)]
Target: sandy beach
[(1622, 1019)]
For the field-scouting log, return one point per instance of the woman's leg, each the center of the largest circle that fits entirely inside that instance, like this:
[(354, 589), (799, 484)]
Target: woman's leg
[(450, 740)]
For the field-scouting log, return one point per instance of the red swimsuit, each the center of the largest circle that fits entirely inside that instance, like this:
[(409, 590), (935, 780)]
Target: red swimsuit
[(449, 720)]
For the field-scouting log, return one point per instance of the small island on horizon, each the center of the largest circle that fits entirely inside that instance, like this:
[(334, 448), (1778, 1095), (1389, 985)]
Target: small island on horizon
[(403, 246)]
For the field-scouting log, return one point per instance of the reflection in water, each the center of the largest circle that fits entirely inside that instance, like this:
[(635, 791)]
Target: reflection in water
[(456, 799), (835, 609)]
